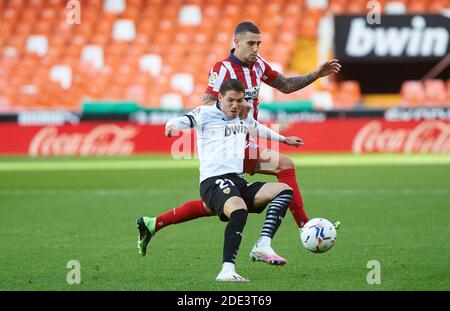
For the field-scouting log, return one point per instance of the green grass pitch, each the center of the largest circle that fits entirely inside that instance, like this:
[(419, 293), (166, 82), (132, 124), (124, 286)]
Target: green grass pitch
[(393, 209)]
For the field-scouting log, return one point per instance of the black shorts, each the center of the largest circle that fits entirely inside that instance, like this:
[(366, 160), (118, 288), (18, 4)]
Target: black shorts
[(215, 191)]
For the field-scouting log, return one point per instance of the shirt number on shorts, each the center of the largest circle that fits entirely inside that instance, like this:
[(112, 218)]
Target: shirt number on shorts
[(223, 183)]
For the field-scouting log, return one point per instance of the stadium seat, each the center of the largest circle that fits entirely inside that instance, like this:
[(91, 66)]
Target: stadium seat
[(337, 7), (435, 92), (438, 6), (151, 63), (322, 100), (356, 7), (61, 74), (136, 93), (412, 93), (37, 44), (115, 6), (183, 82), (317, 4), (308, 26), (349, 94), (448, 92), (171, 101), (417, 6), (124, 30), (93, 54), (395, 7), (190, 15)]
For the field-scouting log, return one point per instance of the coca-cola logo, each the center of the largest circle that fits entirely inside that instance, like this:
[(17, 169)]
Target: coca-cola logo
[(104, 139), (425, 137)]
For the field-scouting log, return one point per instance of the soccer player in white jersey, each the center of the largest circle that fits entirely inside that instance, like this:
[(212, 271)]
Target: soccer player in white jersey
[(221, 142)]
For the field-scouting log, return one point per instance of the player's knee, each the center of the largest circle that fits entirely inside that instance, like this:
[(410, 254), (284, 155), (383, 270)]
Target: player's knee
[(241, 213), (284, 187), (281, 187), (285, 163), (234, 204)]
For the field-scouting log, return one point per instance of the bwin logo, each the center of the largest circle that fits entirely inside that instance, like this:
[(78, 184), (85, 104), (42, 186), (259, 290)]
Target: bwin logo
[(235, 129), (414, 41)]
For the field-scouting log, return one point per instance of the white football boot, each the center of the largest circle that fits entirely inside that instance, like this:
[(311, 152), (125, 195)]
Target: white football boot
[(266, 254), (228, 274)]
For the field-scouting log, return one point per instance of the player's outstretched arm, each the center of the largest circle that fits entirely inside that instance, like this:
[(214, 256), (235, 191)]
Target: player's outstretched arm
[(264, 132), (175, 125), (289, 85)]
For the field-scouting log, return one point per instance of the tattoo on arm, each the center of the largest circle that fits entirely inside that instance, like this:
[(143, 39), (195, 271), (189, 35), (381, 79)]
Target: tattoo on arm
[(209, 99), (289, 85)]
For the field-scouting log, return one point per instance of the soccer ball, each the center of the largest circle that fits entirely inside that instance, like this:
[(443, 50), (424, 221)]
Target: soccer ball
[(318, 235)]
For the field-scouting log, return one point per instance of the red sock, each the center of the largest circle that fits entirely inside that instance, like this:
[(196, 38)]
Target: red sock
[(188, 211), (287, 176)]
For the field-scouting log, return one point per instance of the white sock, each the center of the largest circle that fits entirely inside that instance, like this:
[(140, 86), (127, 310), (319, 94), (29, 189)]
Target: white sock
[(228, 267), (264, 241)]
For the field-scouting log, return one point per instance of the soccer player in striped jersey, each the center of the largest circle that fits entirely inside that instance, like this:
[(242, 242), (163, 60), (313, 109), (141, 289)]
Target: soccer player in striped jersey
[(222, 137), (246, 65)]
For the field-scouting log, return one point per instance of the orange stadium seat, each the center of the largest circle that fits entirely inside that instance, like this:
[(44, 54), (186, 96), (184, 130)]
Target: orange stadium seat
[(437, 6), (349, 94), (356, 7), (435, 92), (412, 93), (448, 92), (308, 26), (417, 6)]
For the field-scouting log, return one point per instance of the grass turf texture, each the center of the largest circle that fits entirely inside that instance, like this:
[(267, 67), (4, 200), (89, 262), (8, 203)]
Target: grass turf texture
[(52, 212)]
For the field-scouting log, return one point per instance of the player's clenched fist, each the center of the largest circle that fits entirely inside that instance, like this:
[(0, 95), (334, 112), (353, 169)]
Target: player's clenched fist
[(293, 141), (172, 130)]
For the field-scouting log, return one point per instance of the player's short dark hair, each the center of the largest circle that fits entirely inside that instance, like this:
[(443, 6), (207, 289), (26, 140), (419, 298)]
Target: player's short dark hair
[(243, 27), (231, 85)]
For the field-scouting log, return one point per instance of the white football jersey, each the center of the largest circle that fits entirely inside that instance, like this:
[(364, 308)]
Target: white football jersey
[(220, 142)]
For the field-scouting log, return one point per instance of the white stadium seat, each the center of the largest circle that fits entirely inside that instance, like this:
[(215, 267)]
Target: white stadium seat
[(37, 44), (395, 7), (61, 74), (151, 63), (317, 4), (114, 6), (183, 82), (171, 101), (124, 30), (94, 55), (190, 15)]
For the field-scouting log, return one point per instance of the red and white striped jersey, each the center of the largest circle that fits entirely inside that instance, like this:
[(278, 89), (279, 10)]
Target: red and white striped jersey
[(250, 75)]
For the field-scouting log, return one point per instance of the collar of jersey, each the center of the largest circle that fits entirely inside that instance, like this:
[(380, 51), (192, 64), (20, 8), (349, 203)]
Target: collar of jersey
[(236, 60)]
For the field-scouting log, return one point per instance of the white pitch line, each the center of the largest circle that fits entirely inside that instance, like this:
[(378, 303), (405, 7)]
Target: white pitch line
[(97, 192), (142, 163), (125, 192)]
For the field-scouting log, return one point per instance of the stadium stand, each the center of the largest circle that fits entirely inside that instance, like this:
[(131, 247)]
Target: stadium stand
[(159, 52)]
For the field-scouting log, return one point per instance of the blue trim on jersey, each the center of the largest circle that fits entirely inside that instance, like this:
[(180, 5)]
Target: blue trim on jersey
[(236, 60)]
